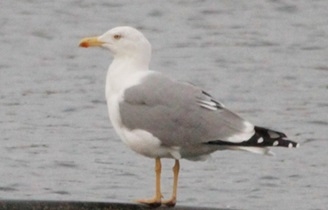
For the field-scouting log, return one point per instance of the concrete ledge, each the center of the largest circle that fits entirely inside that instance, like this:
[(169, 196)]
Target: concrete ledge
[(81, 205)]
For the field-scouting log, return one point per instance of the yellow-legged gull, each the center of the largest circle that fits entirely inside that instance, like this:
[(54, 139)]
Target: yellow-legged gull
[(159, 117)]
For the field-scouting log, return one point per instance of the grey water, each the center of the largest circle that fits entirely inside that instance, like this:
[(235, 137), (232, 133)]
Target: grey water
[(266, 60)]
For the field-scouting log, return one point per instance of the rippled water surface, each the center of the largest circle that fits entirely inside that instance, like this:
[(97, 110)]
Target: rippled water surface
[(266, 60)]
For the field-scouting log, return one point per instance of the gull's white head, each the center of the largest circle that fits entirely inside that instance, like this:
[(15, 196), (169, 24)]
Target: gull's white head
[(123, 42)]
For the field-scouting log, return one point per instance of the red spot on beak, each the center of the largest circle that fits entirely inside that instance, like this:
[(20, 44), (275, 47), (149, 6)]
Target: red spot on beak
[(84, 44)]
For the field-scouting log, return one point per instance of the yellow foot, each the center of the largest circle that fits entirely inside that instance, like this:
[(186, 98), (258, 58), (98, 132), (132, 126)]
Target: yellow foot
[(170, 203), (154, 202)]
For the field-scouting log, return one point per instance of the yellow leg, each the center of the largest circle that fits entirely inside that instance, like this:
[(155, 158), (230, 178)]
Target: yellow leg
[(156, 201), (172, 201)]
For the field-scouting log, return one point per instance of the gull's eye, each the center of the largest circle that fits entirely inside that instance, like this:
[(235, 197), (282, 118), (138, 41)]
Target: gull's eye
[(117, 36)]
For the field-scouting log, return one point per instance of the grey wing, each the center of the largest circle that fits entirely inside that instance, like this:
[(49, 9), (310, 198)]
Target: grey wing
[(180, 114)]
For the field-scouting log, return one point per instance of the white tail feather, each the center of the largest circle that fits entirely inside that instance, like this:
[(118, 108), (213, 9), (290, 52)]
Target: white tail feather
[(257, 150)]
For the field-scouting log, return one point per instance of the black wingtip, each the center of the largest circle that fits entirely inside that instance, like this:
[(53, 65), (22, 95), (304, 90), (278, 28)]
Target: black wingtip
[(273, 138), (263, 137)]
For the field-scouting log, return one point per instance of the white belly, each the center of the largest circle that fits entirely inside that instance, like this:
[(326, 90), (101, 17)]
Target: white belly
[(144, 143), (138, 140)]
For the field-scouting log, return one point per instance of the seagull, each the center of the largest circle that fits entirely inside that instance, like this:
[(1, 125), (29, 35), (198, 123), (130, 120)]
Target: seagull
[(159, 117)]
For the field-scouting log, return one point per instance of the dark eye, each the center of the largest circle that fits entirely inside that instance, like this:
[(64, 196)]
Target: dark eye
[(117, 36)]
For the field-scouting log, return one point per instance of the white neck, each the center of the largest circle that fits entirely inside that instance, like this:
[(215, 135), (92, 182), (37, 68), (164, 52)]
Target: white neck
[(121, 71)]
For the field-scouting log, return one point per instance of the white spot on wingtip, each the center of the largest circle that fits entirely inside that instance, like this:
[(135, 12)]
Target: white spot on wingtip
[(297, 145), (273, 134), (290, 145), (260, 140), (275, 143)]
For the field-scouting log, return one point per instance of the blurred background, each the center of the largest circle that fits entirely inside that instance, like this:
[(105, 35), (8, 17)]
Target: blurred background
[(266, 60)]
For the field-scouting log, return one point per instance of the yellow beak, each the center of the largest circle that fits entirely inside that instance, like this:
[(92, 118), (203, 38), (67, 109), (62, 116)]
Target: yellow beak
[(90, 42)]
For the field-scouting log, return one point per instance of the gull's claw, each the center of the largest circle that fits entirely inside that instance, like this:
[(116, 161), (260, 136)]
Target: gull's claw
[(170, 203), (154, 202)]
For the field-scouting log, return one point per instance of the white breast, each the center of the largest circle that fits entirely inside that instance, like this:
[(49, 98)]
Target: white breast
[(138, 140)]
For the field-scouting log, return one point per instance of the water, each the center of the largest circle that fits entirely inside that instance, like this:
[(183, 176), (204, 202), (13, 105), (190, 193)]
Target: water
[(266, 60)]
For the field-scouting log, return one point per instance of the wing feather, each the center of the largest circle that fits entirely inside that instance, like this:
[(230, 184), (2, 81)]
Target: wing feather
[(174, 112)]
